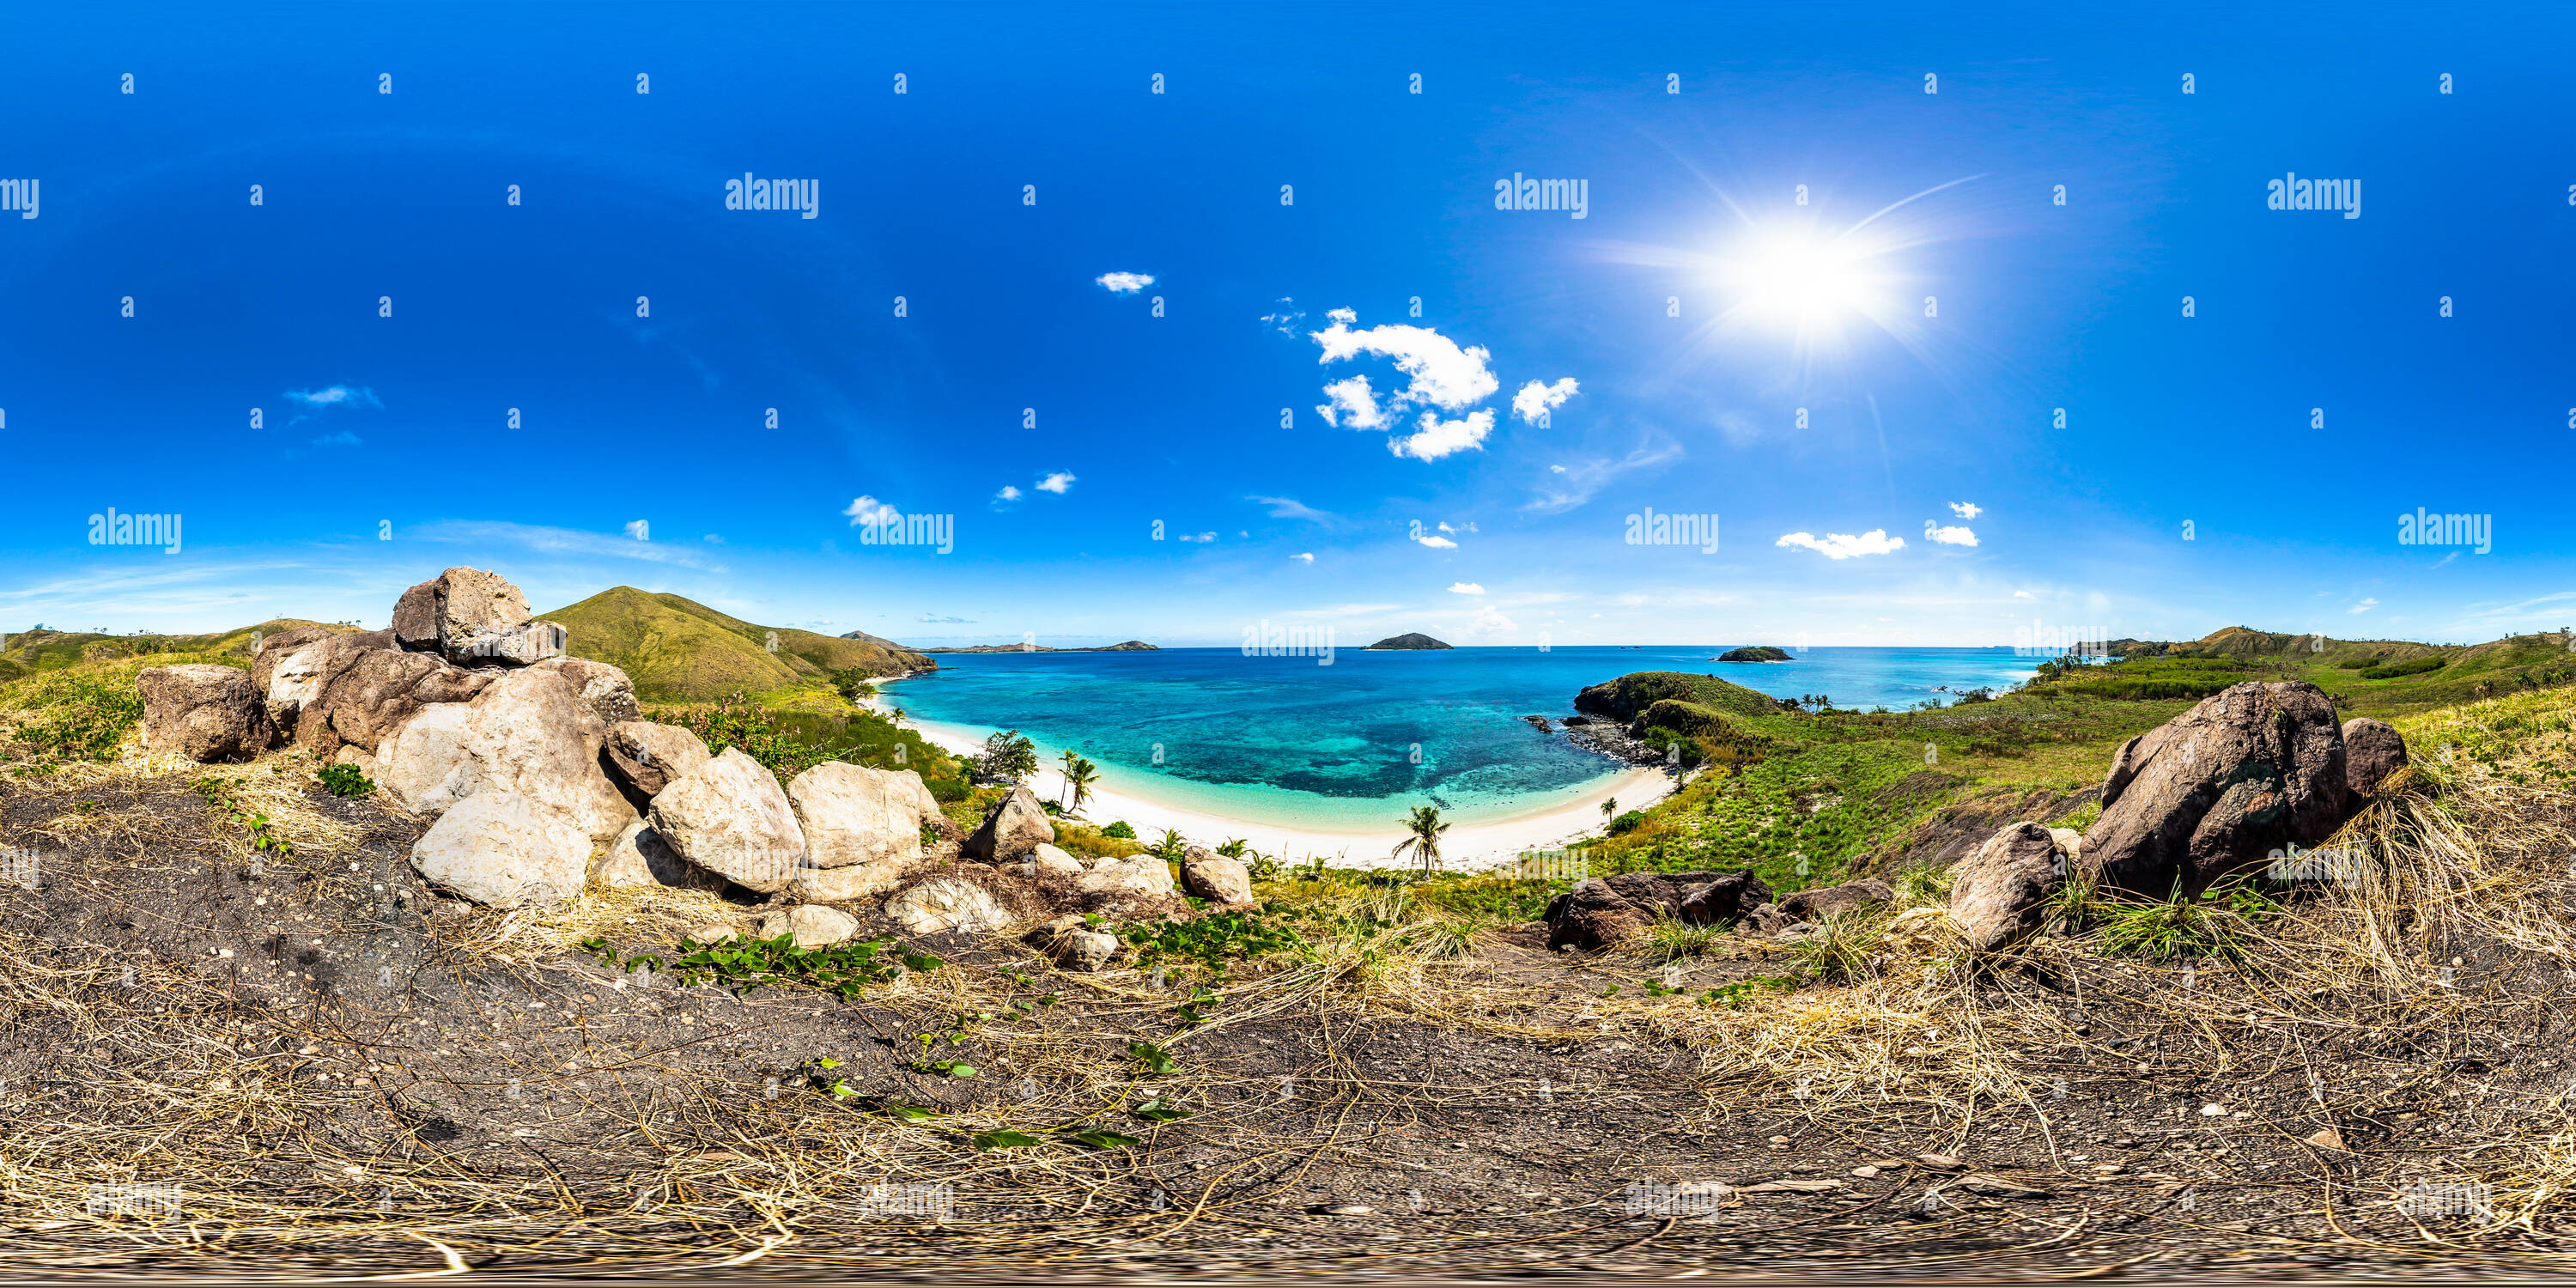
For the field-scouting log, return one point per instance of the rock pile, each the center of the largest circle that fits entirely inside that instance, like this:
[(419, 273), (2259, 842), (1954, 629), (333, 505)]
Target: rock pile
[(1603, 912)]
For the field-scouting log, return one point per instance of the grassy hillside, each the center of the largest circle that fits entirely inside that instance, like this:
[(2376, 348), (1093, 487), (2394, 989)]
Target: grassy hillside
[(40, 650), (678, 650)]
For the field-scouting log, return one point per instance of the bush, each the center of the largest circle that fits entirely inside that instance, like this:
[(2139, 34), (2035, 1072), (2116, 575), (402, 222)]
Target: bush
[(345, 780), (1120, 830), (2393, 670), (1007, 758), (1626, 823), (788, 744), (81, 712)]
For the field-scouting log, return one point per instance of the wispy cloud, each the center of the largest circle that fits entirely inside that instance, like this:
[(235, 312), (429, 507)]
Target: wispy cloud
[(1059, 482), (1432, 539), (562, 541), (1966, 509), (1303, 557), (1572, 485), (2363, 607), (1125, 283), (1489, 620), (1842, 545), (868, 509), (1465, 588), (1284, 317), (1288, 507), (936, 619), (1202, 537), (334, 396)]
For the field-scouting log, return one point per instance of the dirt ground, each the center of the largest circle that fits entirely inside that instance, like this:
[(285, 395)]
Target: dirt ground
[(332, 1071)]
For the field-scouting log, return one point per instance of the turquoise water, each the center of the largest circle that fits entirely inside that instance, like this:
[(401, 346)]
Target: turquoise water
[(1284, 740)]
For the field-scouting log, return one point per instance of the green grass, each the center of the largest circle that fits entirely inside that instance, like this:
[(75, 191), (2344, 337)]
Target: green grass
[(82, 710), (678, 650)]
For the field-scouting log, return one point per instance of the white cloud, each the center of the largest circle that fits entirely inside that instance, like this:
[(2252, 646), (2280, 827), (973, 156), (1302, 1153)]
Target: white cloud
[(868, 509), (1579, 482), (2024, 594), (335, 396), (1470, 527), (1465, 588), (1059, 482), (1288, 507), (1125, 283), (1444, 374), (1434, 438), (1490, 621), (640, 530), (1434, 540), (1953, 535), (1009, 492), (713, 539), (2364, 606), (1966, 509), (342, 439), (1284, 317), (1536, 397), (1843, 545), (934, 617), (1303, 558), (1204, 536), (1353, 405)]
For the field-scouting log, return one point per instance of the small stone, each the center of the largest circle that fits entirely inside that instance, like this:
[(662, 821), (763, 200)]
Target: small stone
[(1350, 1209), (1864, 1171), (1779, 1140), (2327, 1138), (1939, 1160), (2213, 1111)]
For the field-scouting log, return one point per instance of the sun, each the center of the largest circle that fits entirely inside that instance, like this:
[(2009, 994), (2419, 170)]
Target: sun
[(1799, 278)]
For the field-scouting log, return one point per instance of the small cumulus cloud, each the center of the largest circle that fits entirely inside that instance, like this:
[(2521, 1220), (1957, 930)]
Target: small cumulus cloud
[(1843, 545), (334, 396), (1468, 527), (1953, 535), (1465, 588), (868, 509), (1125, 283), (1202, 537), (1059, 482), (1443, 373), (1303, 557), (1432, 539), (1966, 509), (2364, 606), (2024, 594), (1434, 438), (640, 530), (1536, 398)]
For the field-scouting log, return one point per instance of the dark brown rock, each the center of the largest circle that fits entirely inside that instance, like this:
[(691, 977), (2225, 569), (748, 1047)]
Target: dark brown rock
[(1015, 828), (416, 617), (1818, 904), (2372, 750), (206, 713), (1723, 900), (2254, 769), (375, 690), (2000, 893), (1603, 912), (645, 757)]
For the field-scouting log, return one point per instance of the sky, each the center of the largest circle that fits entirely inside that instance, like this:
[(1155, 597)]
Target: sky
[(1183, 322)]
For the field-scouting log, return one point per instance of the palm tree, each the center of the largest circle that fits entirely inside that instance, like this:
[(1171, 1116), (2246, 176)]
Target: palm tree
[(1610, 807), (1079, 775), (1426, 827)]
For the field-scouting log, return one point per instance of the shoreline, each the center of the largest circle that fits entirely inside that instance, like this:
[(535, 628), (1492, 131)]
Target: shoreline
[(1466, 847)]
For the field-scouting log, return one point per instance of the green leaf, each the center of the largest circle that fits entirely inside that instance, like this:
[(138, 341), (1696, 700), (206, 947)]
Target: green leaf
[(1004, 1140), (1152, 1057), (1155, 1111), (911, 1113), (1106, 1139), (828, 1062)]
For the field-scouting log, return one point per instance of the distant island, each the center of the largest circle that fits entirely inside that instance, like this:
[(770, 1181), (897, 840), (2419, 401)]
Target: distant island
[(1754, 653), (1131, 646), (1408, 640)]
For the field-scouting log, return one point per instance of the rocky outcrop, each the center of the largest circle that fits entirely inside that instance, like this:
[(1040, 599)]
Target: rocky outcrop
[(729, 817), (1603, 912), (1138, 876), (2256, 768), (503, 850), (944, 904), (1017, 825), (1755, 653), (1216, 878), (645, 757), (1999, 894), (1831, 901), (605, 689), (2372, 750), (473, 617), (1725, 898), (525, 732), (206, 713), (363, 690), (1408, 640)]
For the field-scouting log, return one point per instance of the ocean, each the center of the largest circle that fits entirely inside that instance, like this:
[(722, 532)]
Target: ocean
[(1288, 742)]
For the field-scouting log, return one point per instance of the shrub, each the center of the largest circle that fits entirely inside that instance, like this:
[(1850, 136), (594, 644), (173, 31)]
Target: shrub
[(1626, 823), (345, 780), (2393, 670), (1007, 758), (1120, 830)]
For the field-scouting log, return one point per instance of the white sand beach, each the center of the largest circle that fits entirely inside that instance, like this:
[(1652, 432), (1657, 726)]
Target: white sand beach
[(1466, 847)]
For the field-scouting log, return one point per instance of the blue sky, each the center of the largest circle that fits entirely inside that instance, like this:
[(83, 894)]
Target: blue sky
[(2314, 395)]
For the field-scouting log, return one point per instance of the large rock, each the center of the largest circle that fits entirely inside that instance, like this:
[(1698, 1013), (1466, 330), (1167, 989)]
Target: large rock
[(205, 713), (364, 690), (1602, 912), (606, 689), (646, 757), (729, 817), (640, 857), (1136, 876), (501, 849), (1214, 877), (1047, 861), (473, 617), (2253, 769), (1830, 901), (843, 884), (525, 732), (1016, 826), (944, 904), (2000, 893), (811, 925), (853, 814), (2372, 750), (1074, 943)]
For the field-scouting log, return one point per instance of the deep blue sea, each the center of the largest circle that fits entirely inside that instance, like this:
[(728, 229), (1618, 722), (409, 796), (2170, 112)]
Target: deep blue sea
[(1284, 740)]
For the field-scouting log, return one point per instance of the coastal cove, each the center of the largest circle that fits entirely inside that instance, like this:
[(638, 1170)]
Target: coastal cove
[(1306, 760)]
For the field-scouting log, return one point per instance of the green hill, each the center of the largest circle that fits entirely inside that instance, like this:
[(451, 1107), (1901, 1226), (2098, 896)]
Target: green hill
[(1624, 698), (2366, 677), (679, 650), (42, 650)]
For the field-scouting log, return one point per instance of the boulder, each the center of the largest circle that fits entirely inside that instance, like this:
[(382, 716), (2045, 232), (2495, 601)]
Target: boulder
[(1999, 894), (1601, 912), (1766, 920), (1016, 826), (526, 733), (1592, 916), (1729, 897), (1074, 943), (2256, 768), (205, 713), (473, 617), (1829, 901), (1046, 860), (856, 815), (812, 925), (1214, 877), (503, 850), (729, 817), (640, 857), (1137, 875), (645, 757), (607, 691), (362, 691), (2372, 750), (2068, 841), (944, 904), (843, 884)]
